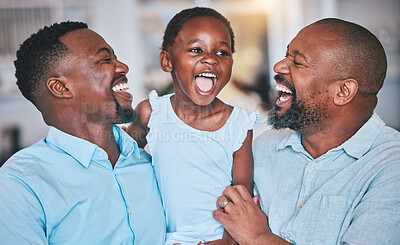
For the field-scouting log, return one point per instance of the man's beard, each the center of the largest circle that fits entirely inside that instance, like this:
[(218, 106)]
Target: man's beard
[(301, 116), (124, 114)]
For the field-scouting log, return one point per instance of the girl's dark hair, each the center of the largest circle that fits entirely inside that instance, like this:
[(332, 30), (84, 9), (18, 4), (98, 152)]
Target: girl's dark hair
[(176, 23)]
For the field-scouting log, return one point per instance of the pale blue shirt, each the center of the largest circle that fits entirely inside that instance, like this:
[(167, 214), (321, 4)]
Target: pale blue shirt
[(64, 190), (350, 195)]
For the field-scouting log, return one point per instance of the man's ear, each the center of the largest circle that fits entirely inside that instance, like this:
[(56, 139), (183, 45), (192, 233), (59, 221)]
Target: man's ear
[(165, 61), (346, 90), (58, 87)]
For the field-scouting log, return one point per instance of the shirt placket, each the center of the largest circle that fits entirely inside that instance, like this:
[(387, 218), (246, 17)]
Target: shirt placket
[(307, 188), (102, 158)]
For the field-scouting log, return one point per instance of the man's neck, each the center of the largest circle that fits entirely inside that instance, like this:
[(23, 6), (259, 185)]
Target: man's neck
[(335, 131), (319, 143), (98, 134)]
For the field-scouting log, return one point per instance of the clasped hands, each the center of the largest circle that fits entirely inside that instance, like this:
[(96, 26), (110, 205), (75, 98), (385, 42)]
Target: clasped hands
[(241, 216)]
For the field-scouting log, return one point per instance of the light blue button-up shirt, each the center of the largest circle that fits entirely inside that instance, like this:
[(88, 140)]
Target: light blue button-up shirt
[(350, 195), (64, 190)]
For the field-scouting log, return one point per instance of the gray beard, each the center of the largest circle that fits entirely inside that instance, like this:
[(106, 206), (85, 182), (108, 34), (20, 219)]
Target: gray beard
[(300, 117)]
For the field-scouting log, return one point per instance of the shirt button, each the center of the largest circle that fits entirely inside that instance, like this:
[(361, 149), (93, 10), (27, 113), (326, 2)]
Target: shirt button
[(100, 154), (314, 164), (301, 205)]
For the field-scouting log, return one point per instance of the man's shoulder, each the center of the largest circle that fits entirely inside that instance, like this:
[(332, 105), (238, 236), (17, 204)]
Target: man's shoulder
[(377, 134), (272, 137), (389, 134), (25, 158), (386, 144)]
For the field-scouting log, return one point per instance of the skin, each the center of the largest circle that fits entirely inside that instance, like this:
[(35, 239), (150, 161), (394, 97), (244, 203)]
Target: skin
[(308, 68), (79, 99), (202, 45)]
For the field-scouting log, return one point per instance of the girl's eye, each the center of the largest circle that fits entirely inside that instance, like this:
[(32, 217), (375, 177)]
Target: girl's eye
[(196, 50), (222, 52)]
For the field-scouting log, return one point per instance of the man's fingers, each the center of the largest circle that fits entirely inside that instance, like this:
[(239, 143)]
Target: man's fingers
[(220, 216), (232, 194), (244, 193), (220, 202), (256, 200), (216, 242)]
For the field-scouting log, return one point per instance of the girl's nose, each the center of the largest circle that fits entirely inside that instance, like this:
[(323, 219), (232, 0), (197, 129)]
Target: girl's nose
[(210, 59)]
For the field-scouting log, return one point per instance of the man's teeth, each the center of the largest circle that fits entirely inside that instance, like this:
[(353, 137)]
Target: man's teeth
[(208, 75), (284, 98), (120, 87), (283, 88)]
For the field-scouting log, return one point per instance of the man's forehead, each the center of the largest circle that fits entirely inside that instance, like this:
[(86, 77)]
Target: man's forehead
[(318, 34), (82, 39), (314, 39)]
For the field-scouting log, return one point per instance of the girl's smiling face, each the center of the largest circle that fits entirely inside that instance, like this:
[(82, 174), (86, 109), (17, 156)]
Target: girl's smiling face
[(200, 60)]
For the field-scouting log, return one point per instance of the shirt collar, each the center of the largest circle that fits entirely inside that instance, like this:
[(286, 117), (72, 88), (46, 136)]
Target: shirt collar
[(293, 140), (127, 145), (83, 150), (362, 141), (356, 146)]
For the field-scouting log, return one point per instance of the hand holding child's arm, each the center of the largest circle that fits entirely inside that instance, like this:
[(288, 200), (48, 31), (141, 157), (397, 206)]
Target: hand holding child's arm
[(242, 171)]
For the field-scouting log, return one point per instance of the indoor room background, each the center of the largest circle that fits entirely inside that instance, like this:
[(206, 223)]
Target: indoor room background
[(134, 28)]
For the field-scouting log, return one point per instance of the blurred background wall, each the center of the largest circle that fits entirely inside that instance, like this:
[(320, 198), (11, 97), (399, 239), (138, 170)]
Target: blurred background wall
[(134, 28)]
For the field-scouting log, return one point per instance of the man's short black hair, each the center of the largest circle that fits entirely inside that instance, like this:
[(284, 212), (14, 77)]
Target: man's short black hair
[(38, 54), (362, 57), (176, 23)]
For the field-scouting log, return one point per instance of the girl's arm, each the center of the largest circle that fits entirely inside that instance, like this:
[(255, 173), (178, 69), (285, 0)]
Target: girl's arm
[(242, 171), (243, 164), (138, 129)]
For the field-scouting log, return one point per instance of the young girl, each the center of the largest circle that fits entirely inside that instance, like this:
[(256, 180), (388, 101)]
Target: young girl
[(199, 144)]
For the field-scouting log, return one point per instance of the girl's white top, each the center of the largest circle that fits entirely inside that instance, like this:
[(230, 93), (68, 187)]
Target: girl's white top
[(193, 167)]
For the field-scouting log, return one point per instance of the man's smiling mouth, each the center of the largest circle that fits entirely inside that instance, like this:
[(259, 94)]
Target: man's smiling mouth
[(122, 86), (121, 89), (285, 93)]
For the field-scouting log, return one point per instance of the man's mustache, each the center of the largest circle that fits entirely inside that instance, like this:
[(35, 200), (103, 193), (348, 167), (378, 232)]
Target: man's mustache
[(282, 80), (119, 76)]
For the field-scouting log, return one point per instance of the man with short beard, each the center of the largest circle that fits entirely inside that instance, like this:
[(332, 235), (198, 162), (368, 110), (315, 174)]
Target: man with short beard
[(87, 182), (332, 177)]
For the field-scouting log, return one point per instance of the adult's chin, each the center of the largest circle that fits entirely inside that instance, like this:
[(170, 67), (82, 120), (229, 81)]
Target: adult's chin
[(280, 118), (126, 114)]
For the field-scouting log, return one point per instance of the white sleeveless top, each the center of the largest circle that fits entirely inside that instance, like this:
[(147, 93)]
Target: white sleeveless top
[(193, 167)]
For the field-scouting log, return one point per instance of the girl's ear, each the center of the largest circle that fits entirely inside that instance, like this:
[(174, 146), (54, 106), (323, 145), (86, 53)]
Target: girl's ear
[(58, 87), (165, 61), (345, 91)]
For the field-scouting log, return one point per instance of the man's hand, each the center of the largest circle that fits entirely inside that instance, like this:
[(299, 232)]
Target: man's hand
[(216, 242), (242, 216)]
